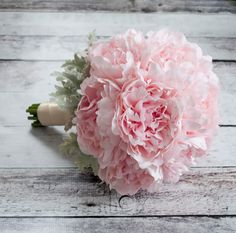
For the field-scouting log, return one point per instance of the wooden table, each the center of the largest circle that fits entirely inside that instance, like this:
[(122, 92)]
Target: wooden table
[(40, 189)]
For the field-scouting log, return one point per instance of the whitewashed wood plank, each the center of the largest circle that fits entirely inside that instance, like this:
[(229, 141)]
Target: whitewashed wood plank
[(29, 82), (66, 192), (39, 148), (121, 5), (29, 77), (119, 224), (106, 24), (227, 104), (32, 147), (20, 92), (63, 47)]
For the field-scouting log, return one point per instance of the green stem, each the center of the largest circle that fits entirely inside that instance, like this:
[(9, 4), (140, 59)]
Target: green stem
[(32, 110)]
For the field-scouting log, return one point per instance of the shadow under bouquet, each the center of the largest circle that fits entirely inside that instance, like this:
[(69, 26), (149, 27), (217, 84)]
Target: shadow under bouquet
[(144, 106)]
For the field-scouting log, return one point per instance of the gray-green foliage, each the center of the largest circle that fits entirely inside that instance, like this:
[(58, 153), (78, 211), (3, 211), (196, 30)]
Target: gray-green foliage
[(67, 97), (67, 93), (70, 147), (91, 38), (74, 72)]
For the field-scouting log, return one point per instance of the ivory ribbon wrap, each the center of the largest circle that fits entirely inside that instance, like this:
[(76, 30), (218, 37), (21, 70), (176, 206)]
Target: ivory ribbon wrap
[(50, 114)]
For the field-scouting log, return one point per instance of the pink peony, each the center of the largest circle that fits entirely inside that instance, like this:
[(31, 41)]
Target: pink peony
[(149, 108)]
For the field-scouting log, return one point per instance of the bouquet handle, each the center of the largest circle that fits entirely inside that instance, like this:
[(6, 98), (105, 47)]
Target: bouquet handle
[(47, 114)]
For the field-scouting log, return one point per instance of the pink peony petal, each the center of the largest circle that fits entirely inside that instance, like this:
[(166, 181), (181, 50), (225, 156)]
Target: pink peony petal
[(149, 108)]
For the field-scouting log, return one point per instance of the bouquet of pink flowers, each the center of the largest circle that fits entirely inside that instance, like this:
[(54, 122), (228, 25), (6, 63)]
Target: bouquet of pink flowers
[(144, 106)]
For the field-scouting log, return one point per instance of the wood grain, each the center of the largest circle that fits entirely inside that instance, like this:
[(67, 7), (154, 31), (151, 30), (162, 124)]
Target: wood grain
[(121, 5), (21, 47), (66, 192), (108, 23), (119, 224)]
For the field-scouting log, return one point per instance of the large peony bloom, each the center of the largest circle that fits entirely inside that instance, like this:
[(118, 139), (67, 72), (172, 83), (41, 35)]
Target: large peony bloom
[(148, 109)]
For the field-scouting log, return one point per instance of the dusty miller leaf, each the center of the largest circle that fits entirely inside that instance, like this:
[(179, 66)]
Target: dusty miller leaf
[(67, 92), (71, 148), (67, 96)]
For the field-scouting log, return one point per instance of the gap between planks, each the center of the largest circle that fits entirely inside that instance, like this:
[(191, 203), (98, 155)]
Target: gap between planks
[(122, 216), (63, 60)]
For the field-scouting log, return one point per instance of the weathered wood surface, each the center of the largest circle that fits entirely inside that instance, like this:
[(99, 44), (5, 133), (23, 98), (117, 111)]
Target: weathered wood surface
[(28, 82), (66, 192), (63, 47), (26, 147), (37, 181), (119, 225), (107, 23), (121, 5)]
